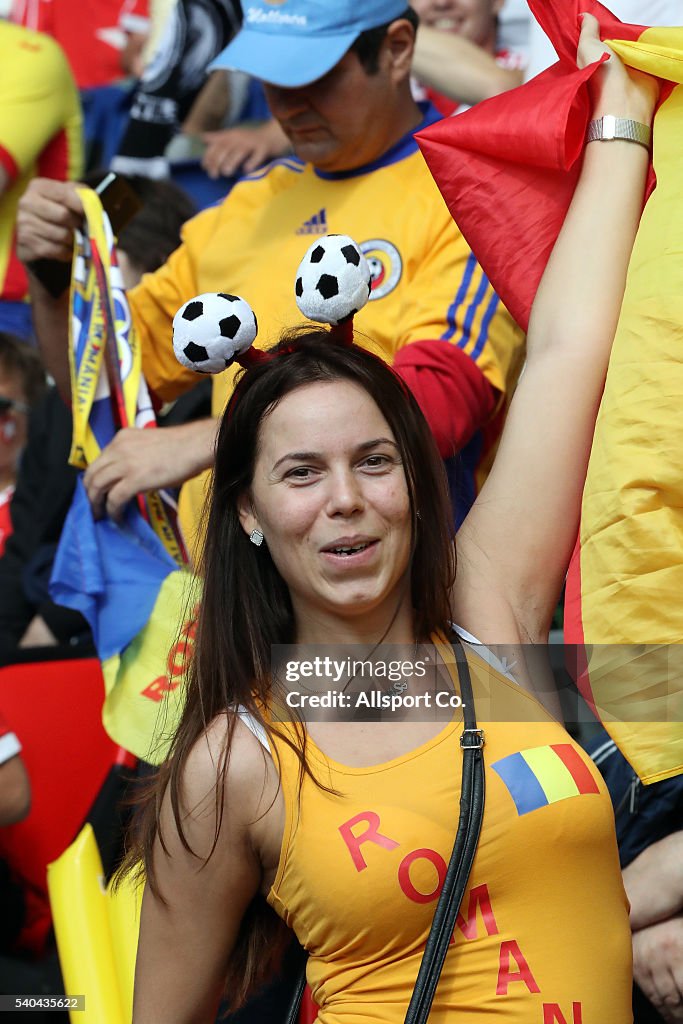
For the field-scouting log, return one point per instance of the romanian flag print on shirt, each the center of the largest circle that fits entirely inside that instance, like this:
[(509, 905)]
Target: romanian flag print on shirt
[(543, 775), (623, 598)]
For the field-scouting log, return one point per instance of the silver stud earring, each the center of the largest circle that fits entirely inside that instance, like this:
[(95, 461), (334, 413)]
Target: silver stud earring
[(256, 537)]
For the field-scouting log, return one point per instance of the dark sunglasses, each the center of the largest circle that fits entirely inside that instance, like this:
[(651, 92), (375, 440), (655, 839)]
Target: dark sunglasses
[(8, 404)]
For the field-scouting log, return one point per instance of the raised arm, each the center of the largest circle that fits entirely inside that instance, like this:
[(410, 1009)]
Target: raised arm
[(514, 548)]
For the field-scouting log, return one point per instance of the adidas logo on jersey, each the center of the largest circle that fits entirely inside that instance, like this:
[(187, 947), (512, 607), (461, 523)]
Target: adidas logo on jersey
[(315, 225)]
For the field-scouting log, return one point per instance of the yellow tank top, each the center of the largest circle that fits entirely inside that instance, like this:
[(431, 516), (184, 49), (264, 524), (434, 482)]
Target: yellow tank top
[(543, 934)]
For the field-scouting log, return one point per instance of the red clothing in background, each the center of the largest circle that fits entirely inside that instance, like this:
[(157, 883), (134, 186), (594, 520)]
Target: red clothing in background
[(90, 33)]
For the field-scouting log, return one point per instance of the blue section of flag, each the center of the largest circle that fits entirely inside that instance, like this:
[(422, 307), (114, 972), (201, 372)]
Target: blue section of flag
[(109, 572), (524, 787)]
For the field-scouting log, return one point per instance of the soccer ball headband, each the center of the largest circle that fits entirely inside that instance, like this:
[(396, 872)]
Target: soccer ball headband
[(333, 283)]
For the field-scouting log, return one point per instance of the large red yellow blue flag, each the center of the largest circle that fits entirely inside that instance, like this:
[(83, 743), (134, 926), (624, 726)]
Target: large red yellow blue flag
[(125, 577), (507, 169)]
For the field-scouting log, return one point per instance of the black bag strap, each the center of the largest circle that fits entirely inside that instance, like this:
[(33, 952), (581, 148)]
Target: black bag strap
[(469, 826), (298, 994), (466, 839)]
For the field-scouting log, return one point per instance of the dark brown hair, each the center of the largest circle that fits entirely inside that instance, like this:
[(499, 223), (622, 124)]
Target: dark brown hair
[(246, 607), (154, 232), (369, 43)]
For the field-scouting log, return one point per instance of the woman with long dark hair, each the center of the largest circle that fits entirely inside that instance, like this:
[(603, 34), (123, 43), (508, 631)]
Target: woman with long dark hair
[(329, 523)]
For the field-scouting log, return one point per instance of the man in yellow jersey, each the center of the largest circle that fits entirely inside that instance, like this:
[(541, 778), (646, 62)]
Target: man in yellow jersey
[(40, 134), (337, 79)]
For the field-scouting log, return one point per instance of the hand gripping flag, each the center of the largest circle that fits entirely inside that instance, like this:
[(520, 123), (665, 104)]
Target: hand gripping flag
[(123, 577), (107, 386), (507, 170)]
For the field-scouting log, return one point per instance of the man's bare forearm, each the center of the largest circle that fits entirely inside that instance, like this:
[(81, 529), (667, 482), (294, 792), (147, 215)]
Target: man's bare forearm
[(654, 882), (48, 213), (460, 69)]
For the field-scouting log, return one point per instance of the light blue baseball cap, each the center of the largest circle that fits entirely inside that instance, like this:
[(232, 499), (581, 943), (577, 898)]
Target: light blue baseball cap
[(293, 42)]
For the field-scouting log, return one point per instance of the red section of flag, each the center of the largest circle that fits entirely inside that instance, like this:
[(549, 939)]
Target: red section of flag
[(580, 773), (573, 623), (508, 167), (561, 22), (576, 659)]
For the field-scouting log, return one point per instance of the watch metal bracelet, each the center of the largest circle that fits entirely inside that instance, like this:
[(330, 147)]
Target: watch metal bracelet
[(609, 127)]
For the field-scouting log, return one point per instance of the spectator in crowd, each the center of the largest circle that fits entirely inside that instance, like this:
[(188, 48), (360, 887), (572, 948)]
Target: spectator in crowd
[(654, 886), (40, 133), (176, 107), (340, 89), (648, 822), (22, 381), (195, 31), (28, 617), (459, 60)]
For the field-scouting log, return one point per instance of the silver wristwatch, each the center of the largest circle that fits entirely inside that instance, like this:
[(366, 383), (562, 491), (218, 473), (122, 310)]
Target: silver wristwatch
[(609, 127)]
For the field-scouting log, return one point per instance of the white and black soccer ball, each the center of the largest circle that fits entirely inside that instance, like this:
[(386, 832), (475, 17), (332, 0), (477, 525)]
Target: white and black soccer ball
[(210, 330), (333, 281)]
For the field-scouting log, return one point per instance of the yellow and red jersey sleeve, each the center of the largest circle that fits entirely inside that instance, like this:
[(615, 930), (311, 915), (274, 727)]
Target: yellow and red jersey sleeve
[(40, 132), (38, 101)]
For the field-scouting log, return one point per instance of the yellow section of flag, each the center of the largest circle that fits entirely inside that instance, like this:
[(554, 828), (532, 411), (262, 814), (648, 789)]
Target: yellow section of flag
[(145, 683), (632, 513), (97, 320)]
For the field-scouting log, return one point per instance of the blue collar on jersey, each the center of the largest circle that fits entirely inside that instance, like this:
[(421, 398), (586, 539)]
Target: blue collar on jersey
[(399, 151)]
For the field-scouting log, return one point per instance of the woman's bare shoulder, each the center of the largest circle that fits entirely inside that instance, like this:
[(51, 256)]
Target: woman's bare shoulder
[(229, 754)]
